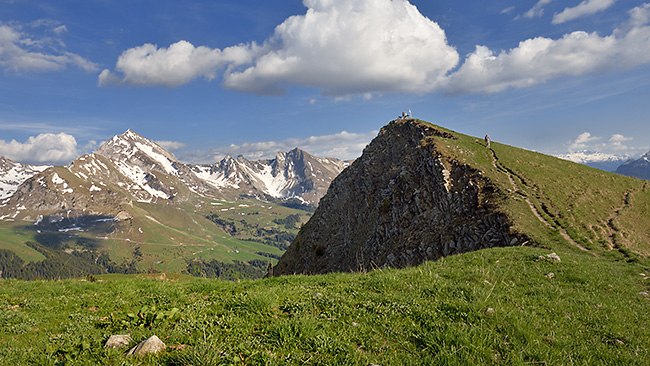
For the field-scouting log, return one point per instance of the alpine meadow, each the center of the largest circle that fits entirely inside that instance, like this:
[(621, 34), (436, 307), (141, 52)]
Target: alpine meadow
[(325, 182)]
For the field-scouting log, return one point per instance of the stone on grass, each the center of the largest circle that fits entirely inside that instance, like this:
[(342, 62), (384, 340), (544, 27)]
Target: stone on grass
[(118, 341), (551, 257), (152, 344)]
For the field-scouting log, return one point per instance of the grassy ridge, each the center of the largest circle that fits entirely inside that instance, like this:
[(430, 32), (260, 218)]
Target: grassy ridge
[(602, 212), (494, 306)]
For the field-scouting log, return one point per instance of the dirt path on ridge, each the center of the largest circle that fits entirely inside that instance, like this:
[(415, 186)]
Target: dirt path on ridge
[(533, 209)]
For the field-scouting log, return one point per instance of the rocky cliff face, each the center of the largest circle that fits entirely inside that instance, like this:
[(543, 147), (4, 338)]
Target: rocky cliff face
[(12, 174), (404, 201)]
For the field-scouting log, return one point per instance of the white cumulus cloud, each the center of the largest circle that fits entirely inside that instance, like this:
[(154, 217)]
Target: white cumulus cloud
[(582, 141), (366, 47), (537, 60), (587, 7), (45, 148), (21, 52), (639, 16), (616, 143), (537, 10), (175, 65), (351, 47), (171, 145), (341, 47)]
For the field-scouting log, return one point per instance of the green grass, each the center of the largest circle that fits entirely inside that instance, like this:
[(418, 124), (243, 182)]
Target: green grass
[(169, 236), (600, 211), (13, 239), (493, 306)]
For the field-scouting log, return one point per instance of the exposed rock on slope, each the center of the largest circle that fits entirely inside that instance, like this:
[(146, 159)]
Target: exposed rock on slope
[(12, 174), (402, 202)]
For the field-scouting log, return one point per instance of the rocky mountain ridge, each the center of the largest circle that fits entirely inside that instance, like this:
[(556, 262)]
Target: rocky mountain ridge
[(294, 174), (639, 168), (401, 203), (12, 174)]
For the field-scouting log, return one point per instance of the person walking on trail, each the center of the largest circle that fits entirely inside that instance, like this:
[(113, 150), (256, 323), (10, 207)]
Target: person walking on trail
[(487, 141)]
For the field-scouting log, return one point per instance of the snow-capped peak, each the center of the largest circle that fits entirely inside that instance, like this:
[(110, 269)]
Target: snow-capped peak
[(137, 158), (132, 149), (290, 174)]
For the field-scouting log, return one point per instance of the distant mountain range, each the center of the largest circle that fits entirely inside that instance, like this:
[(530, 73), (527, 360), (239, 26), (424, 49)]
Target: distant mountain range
[(143, 171), (595, 159), (12, 174), (619, 164), (639, 168), (133, 201)]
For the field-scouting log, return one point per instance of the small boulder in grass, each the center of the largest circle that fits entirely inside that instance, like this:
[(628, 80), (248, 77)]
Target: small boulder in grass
[(118, 341), (550, 257), (152, 344)]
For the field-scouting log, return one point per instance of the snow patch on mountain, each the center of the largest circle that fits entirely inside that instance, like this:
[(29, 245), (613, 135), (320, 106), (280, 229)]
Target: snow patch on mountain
[(595, 159), (293, 174), (275, 185), (215, 178), (584, 157), (12, 174), (164, 162)]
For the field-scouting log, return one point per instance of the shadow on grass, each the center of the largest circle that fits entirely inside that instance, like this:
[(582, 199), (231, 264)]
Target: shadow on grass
[(57, 232)]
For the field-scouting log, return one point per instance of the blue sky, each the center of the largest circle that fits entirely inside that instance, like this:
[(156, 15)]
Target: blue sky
[(252, 77)]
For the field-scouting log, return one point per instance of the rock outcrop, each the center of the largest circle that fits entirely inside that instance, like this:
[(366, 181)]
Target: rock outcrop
[(152, 344), (404, 201)]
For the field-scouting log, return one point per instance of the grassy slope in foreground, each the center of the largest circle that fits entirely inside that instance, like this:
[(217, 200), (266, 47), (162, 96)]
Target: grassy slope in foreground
[(579, 206), (494, 306)]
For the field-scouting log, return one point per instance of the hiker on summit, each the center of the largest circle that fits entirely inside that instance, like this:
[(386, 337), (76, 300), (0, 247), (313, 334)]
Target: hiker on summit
[(487, 141)]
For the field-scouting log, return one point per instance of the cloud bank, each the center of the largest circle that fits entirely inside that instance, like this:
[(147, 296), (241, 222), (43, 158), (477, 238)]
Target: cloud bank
[(21, 52), (616, 143), (346, 48), (343, 145), (45, 148), (171, 146), (176, 65), (540, 59), (341, 47), (586, 148)]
